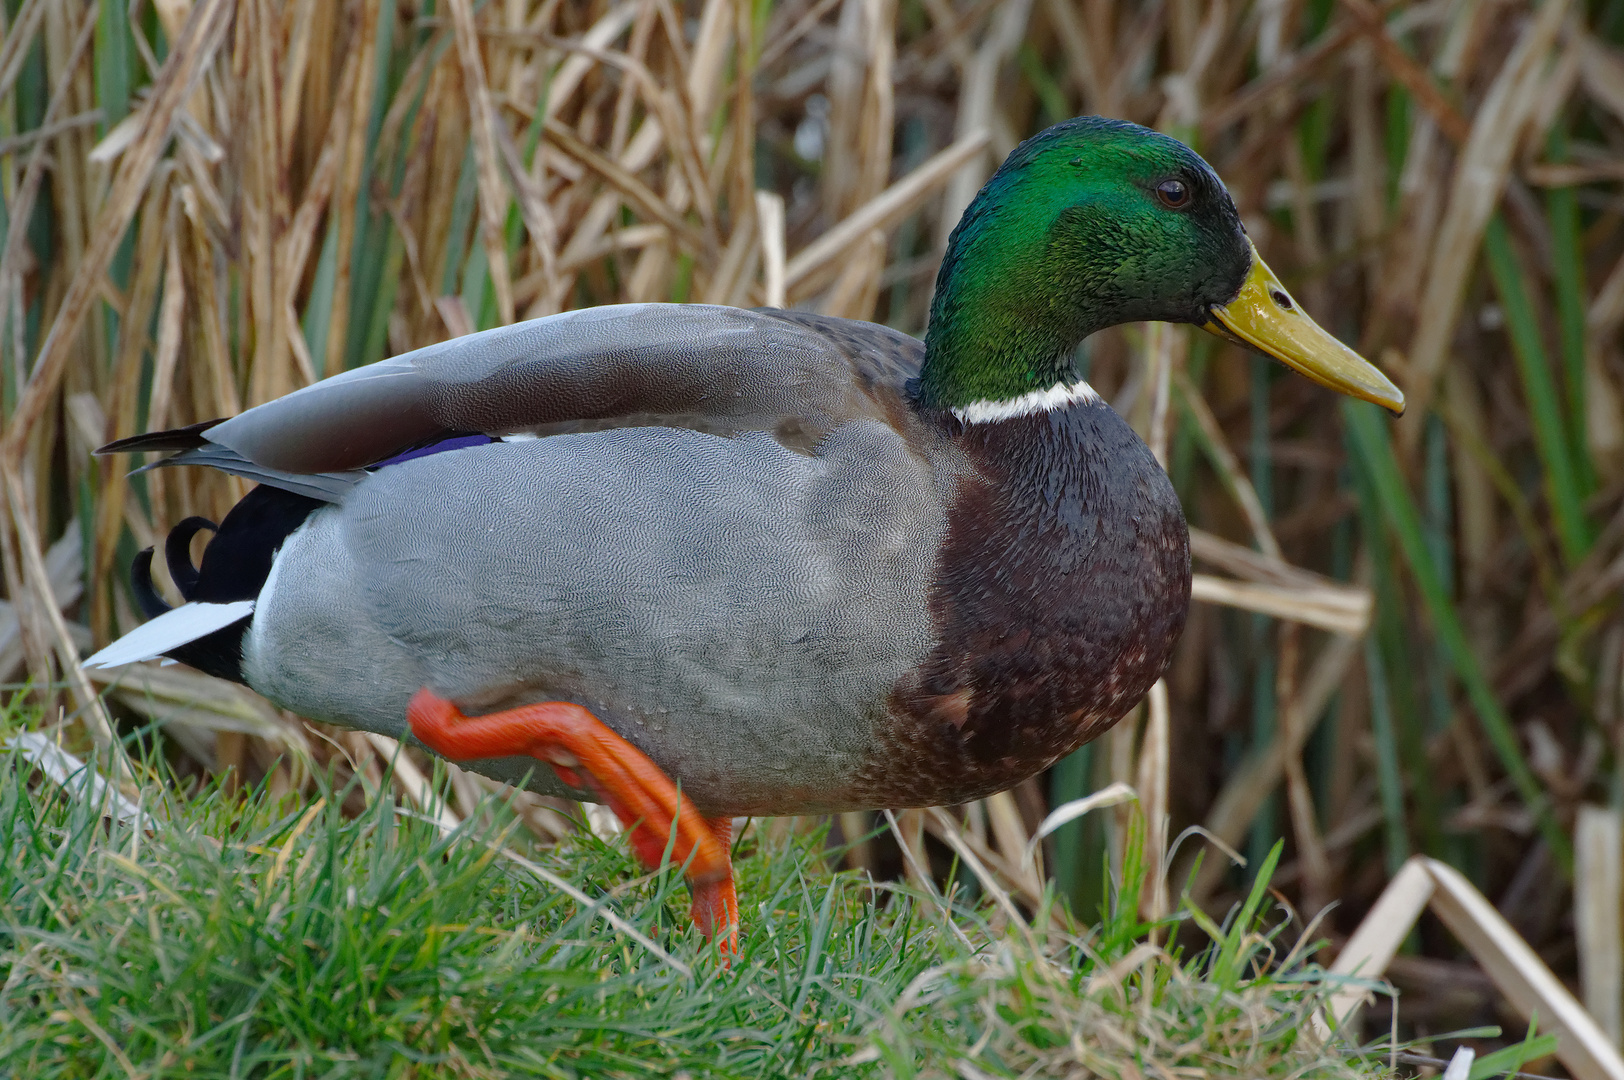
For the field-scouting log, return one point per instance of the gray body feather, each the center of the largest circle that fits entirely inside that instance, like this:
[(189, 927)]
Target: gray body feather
[(733, 593)]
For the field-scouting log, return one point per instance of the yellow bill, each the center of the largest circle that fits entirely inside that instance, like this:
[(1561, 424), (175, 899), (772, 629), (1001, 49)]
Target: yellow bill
[(1265, 317)]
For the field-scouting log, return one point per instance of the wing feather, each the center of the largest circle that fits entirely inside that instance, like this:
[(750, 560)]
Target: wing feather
[(708, 367)]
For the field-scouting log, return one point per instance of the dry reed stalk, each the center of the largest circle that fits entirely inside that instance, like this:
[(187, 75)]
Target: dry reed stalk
[(1338, 609), (206, 707), (1598, 916), (854, 292), (352, 122), (978, 110), (32, 605), (205, 28), (1515, 968), (1245, 790), (1485, 159), (1228, 466), (64, 562), (1155, 753), (770, 220), (1316, 866), (19, 36), (887, 208), (114, 510)]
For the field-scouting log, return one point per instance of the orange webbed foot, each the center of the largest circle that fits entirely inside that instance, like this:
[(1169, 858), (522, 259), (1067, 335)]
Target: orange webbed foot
[(585, 753)]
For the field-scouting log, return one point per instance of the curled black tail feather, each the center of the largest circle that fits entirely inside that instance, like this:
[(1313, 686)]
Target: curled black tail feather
[(152, 605), (178, 553)]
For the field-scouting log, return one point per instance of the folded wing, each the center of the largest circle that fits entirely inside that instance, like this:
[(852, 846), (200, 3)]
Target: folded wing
[(683, 365)]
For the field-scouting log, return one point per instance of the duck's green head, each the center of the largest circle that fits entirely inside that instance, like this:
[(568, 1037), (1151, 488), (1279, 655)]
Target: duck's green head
[(1097, 222)]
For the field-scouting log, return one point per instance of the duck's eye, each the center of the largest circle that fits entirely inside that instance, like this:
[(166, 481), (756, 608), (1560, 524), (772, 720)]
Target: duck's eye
[(1174, 194)]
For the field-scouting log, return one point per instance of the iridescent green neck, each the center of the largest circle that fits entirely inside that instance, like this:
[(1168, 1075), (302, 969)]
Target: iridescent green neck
[(998, 325)]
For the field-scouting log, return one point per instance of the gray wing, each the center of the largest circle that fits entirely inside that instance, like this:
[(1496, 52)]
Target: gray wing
[(711, 368)]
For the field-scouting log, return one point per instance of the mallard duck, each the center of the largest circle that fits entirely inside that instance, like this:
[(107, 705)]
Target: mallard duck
[(705, 562)]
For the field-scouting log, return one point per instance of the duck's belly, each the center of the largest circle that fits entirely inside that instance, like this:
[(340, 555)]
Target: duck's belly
[(738, 611)]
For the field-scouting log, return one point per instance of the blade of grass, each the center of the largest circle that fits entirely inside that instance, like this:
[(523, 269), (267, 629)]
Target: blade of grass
[(1371, 440), (1568, 274), (1401, 674), (113, 61), (1389, 778), (1229, 963), (1550, 427), (1437, 688), (1078, 846), (1507, 1061)]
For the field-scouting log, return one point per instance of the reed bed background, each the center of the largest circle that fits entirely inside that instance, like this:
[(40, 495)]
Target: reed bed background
[(1407, 636)]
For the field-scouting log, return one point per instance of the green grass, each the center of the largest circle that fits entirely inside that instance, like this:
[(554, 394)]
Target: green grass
[(248, 938)]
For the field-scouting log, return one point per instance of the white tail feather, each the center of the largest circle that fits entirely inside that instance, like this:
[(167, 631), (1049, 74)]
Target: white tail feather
[(169, 630)]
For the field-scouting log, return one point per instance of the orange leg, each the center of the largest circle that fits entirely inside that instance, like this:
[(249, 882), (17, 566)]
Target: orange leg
[(584, 753), (716, 905)]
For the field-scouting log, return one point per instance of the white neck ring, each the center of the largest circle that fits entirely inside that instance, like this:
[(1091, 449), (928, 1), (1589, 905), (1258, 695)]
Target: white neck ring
[(1058, 396)]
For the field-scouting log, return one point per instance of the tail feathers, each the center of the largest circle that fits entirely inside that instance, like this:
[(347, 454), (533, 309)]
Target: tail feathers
[(146, 595), (170, 631), (323, 487), (207, 632), (183, 438), (178, 554)]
